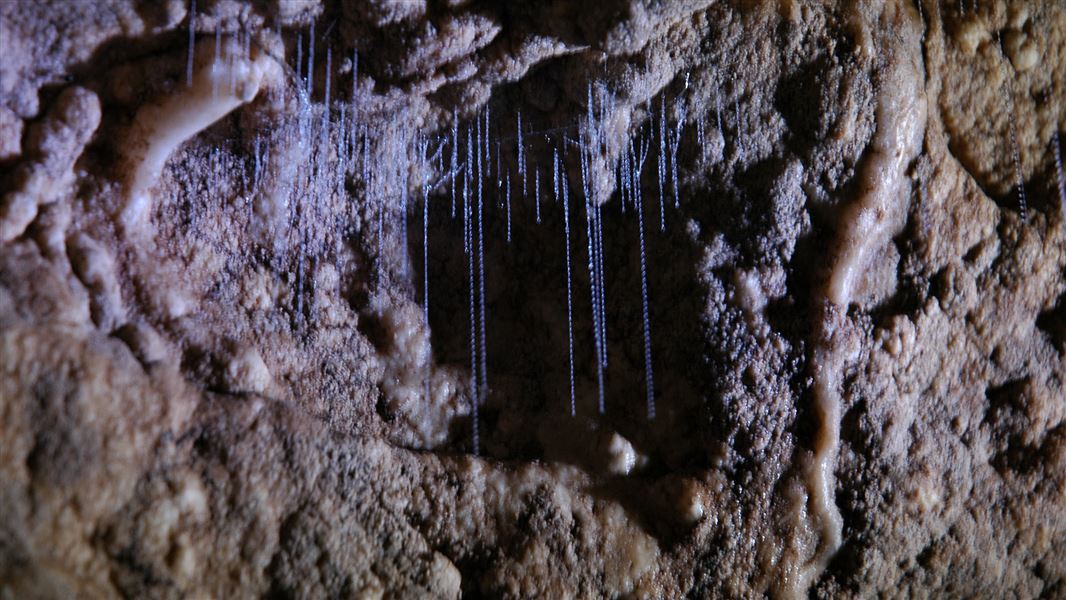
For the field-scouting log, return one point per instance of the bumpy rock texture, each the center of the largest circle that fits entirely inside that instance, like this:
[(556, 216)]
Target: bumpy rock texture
[(219, 377)]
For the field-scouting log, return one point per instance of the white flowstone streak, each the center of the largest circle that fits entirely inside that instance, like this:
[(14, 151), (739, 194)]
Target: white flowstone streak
[(221, 82), (865, 227)]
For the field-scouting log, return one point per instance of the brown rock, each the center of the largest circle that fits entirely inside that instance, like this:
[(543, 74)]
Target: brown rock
[(853, 259)]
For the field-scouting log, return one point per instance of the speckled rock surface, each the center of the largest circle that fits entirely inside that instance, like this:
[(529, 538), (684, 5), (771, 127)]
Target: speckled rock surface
[(221, 378)]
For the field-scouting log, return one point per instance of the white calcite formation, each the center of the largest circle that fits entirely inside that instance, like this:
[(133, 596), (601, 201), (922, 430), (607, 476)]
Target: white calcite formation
[(225, 76)]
